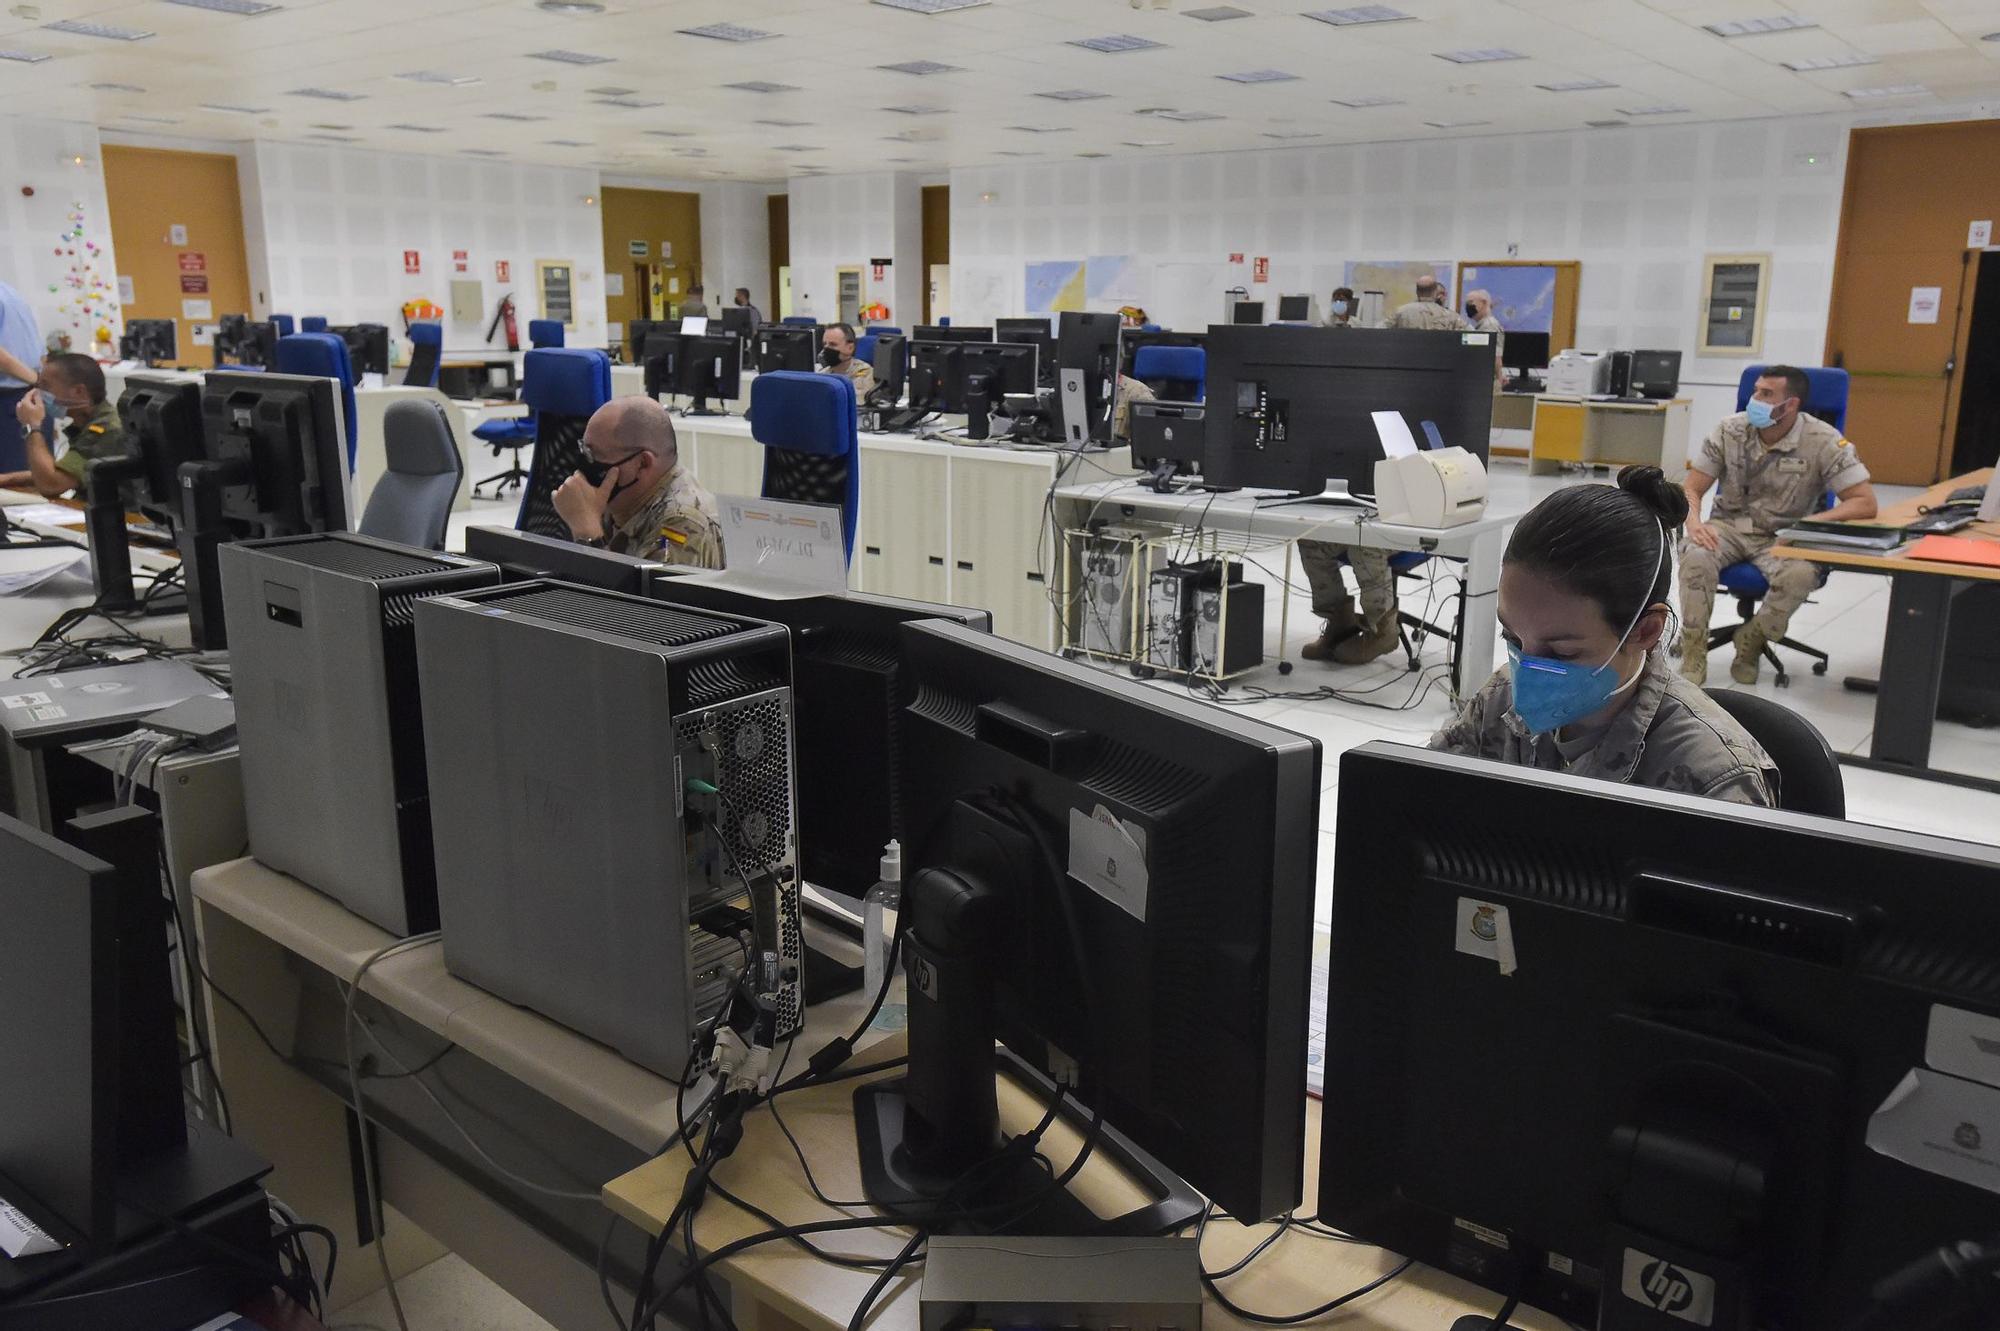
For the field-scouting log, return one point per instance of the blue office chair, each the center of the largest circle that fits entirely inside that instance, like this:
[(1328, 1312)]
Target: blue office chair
[(1149, 328), (545, 333), (325, 355), (864, 348), (799, 320), (312, 323), (1745, 581), (884, 328), (806, 423), (426, 354), (1178, 374), (283, 323), (515, 433), (563, 386)]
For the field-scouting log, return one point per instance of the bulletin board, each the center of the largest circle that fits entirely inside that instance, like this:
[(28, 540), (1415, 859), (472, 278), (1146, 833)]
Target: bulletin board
[(553, 279), (1521, 279)]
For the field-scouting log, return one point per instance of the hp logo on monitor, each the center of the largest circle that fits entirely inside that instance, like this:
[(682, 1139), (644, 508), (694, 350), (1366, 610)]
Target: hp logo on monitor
[(1664, 1287)]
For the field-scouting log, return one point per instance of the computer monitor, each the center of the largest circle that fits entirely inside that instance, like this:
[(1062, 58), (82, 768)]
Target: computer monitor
[(92, 1091), (951, 333), (1117, 883), (1655, 374), (241, 340), (525, 555), (162, 423), (659, 360), (1295, 309), (1247, 312), (1009, 370), (787, 347), (1034, 333), (1524, 354), (849, 690), (709, 365), (1089, 342), (937, 376), (891, 362), (1650, 1060), (149, 341), (1130, 340), (640, 331), (1290, 408), (274, 463), (736, 321), (367, 347)]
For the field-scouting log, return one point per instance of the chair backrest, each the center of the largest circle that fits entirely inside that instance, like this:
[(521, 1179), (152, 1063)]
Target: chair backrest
[(1808, 772), (312, 323), (545, 333), (426, 352), (884, 328), (799, 320), (1175, 373), (864, 348), (563, 386), (283, 323), (806, 423), (412, 501), (325, 355), (1829, 391)]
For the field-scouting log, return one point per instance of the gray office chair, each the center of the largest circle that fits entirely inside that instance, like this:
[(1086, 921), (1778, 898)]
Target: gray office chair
[(1808, 771), (412, 502)]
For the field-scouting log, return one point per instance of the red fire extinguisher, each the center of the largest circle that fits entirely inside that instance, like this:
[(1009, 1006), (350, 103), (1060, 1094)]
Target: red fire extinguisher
[(505, 315)]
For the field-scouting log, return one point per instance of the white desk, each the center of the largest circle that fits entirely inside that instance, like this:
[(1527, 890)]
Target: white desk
[(371, 456), (1477, 544), (22, 618)]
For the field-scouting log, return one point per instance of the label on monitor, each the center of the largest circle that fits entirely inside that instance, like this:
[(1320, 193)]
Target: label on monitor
[(1108, 856), (1668, 1287), (1942, 1125), (1484, 929), (1965, 1044)]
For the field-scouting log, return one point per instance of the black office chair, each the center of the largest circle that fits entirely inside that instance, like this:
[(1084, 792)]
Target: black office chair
[(1808, 772)]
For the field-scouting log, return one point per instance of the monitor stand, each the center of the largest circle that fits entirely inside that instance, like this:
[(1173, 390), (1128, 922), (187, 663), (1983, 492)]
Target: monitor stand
[(1336, 495)]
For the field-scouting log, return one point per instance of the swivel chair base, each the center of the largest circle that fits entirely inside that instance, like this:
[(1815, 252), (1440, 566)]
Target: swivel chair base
[(511, 479)]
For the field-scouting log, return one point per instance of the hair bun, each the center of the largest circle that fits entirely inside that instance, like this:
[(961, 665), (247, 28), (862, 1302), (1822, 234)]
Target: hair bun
[(1650, 486)]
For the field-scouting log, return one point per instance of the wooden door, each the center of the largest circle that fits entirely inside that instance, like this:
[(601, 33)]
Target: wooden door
[(153, 191), (936, 240), (650, 236), (1912, 194), (778, 213)]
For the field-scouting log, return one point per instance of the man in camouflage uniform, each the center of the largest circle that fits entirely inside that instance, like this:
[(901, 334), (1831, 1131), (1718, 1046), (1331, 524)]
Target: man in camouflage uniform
[(90, 425), (1479, 313), (836, 356), (1348, 639), (1667, 738), (1430, 310), (633, 497), (1776, 465)]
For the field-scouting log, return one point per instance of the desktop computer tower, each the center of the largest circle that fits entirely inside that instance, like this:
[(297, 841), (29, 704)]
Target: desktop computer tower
[(588, 868), (1108, 606), (1170, 617), (1620, 384), (1217, 648), (328, 720)]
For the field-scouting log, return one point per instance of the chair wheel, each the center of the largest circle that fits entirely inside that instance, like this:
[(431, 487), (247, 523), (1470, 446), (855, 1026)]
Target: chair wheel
[(1783, 681), (1819, 667), (1284, 667), (1142, 672)]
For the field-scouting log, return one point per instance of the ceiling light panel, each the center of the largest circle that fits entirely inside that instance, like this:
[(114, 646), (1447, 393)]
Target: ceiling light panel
[(562, 57), (916, 110), (567, 8), (1756, 27), (1182, 117), (922, 67), (775, 124), (1576, 85), (566, 143), (418, 129), (227, 108), (520, 117), (1365, 103), (727, 32), (1485, 55), (760, 85), (243, 8), (1261, 76), (1894, 90), (1814, 64), (150, 119), (482, 152), (1073, 95), (1456, 124), (23, 57), (1343, 18), (1217, 13), (110, 32), (327, 94), (440, 78), (117, 87), (1663, 109), (1118, 43), (931, 6)]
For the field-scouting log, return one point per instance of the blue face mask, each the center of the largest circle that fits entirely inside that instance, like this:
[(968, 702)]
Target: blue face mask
[(1762, 415), (1551, 694)]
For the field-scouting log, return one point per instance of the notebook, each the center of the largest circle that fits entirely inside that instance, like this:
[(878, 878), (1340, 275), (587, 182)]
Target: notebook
[(1957, 550)]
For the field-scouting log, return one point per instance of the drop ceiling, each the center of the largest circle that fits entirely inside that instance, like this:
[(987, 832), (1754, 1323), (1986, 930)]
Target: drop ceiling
[(785, 87)]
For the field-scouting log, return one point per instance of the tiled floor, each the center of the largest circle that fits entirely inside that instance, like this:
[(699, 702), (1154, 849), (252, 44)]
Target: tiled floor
[(1383, 701)]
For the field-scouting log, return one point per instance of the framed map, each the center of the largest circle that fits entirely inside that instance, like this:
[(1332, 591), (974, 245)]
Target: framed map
[(1055, 286), (1524, 298), (1396, 279)]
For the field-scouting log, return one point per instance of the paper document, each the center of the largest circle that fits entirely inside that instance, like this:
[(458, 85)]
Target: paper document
[(56, 515), (799, 544), (1394, 432), (694, 325), (22, 1237), (61, 578)]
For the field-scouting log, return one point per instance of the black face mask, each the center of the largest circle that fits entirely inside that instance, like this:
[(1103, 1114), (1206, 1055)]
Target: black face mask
[(595, 471), (1471, 310), (829, 357)]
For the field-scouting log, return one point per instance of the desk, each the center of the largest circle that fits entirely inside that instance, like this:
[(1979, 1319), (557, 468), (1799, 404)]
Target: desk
[(474, 376), (1913, 649), (1477, 544), (1597, 432)]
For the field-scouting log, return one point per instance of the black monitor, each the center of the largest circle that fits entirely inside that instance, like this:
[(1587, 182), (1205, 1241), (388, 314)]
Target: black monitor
[(1089, 342), (274, 463), (937, 376), (640, 331), (1290, 408), (951, 333), (1655, 374), (1632, 1054), (1294, 309), (161, 419), (891, 363), (736, 321), (787, 347), (1524, 354), (659, 359), (1034, 333), (149, 341), (709, 365), (1117, 884), (367, 347), (241, 340), (994, 371), (92, 1092), (525, 556), (848, 692), (1247, 312), (1130, 340)]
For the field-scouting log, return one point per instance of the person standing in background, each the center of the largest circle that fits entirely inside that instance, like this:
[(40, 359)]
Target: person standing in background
[(1340, 311), (1430, 310), (694, 304), (1479, 310), (743, 303), (20, 352)]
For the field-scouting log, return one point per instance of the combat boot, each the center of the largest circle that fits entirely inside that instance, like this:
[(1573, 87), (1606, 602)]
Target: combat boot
[(1694, 661), (1378, 637), (1750, 642), (1341, 625)]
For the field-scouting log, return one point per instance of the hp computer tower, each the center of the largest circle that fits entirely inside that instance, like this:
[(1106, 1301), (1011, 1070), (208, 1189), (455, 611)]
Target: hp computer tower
[(328, 721), (618, 832), (1621, 374)]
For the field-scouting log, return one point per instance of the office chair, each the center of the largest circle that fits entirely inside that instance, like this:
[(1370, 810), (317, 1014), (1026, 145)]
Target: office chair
[(1413, 629), (1745, 581), (412, 502), (1177, 374), (312, 323), (545, 333), (799, 320), (1808, 770), (806, 423), (563, 386), (884, 328), (516, 432), (426, 352), (325, 355), (283, 323)]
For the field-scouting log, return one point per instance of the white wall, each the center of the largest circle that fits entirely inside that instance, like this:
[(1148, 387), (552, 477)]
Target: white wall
[(1637, 207), (844, 221), (39, 155)]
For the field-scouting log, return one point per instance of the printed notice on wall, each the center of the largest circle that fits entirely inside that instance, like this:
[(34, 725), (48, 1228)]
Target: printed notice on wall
[(614, 284), (1980, 234), (1924, 303)]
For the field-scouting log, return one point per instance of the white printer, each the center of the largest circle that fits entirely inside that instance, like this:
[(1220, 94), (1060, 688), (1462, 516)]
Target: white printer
[(1576, 373), (1444, 487)]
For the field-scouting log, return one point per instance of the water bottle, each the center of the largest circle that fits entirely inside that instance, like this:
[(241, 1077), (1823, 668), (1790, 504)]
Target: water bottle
[(878, 933)]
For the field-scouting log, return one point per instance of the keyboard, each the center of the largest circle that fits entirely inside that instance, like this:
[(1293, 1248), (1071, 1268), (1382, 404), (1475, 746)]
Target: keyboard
[(1970, 494), (1940, 521)]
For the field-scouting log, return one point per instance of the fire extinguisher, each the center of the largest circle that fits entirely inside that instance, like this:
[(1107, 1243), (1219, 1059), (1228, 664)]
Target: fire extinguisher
[(505, 315)]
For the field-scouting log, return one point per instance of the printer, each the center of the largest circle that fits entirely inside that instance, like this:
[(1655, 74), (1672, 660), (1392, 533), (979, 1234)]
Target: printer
[(1445, 487), (1576, 373)]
